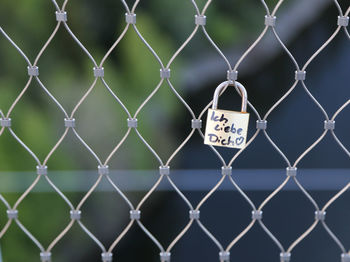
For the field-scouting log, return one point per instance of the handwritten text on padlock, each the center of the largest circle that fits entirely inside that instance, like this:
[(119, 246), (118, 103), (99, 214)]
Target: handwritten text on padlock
[(226, 128)]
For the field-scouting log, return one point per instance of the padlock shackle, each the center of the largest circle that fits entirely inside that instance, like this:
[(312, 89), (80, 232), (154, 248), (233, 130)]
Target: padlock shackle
[(231, 83)]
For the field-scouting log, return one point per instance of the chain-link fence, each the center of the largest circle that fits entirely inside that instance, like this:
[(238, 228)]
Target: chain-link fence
[(43, 172)]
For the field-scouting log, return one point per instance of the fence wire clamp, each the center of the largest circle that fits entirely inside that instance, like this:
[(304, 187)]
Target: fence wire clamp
[(200, 19), (291, 171), (130, 18), (107, 257), (135, 214), (270, 20), (224, 256), (12, 213), (285, 256), (41, 170), (345, 257), (300, 75), (232, 75), (99, 71), (45, 256), (103, 170), (196, 123), (195, 214), (329, 124), (164, 170), (165, 256), (75, 214), (226, 170), (5, 122), (320, 215), (33, 70), (69, 122), (257, 214), (132, 122), (343, 21), (165, 73), (261, 124), (61, 16)]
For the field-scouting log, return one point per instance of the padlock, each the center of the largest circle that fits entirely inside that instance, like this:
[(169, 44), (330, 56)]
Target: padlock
[(227, 128)]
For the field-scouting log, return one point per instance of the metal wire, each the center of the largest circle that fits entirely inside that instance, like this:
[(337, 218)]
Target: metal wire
[(103, 165)]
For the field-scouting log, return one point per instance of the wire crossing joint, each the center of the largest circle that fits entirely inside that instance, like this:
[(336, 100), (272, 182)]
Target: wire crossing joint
[(195, 214), (261, 124), (5, 122), (257, 214), (132, 122), (33, 70), (103, 170), (45, 256), (130, 18), (200, 20), (12, 213), (107, 257), (232, 75), (196, 123), (135, 214), (343, 21), (320, 215), (165, 256), (61, 16), (300, 75), (41, 170), (226, 170), (291, 171), (69, 122), (164, 170), (165, 73), (270, 20), (285, 256), (75, 214), (224, 256), (345, 257), (329, 124), (99, 71)]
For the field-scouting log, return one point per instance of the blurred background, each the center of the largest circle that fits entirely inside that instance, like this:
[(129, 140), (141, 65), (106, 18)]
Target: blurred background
[(132, 73)]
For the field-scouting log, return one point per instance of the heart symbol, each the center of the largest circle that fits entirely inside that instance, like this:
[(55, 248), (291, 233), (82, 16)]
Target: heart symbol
[(239, 140)]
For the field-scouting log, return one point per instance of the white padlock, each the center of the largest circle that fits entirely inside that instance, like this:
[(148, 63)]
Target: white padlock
[(227, 128)]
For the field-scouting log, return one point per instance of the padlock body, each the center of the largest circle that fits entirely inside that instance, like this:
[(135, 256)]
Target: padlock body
[(226, 128)]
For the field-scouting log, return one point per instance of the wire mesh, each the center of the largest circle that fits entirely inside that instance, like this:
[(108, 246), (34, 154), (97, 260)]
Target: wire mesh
[(164, 164)]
